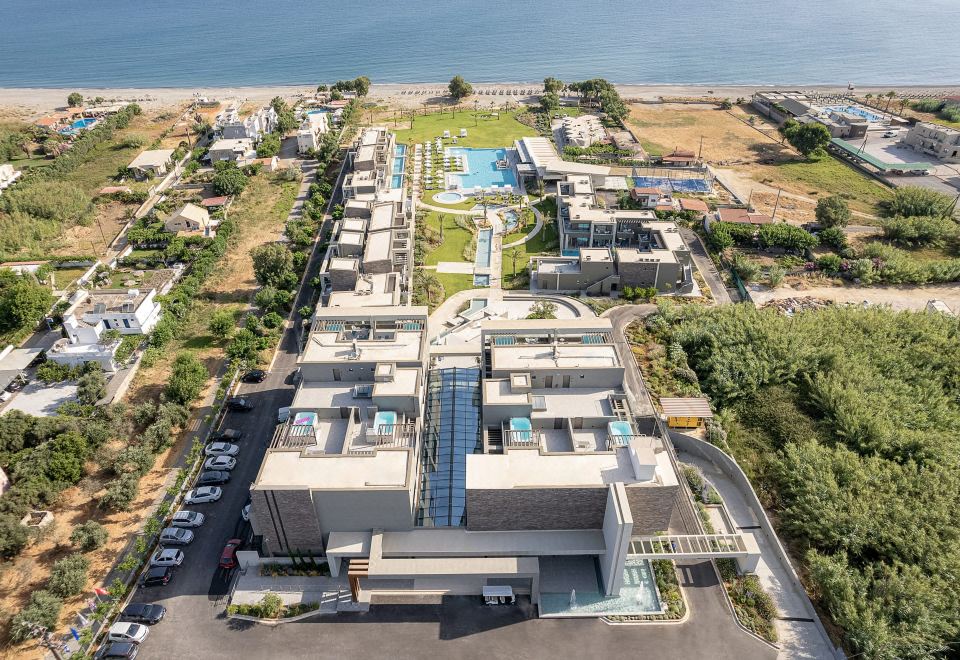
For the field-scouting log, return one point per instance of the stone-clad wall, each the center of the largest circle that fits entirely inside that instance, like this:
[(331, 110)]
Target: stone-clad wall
[(651, 507), (287, 520), (535, 508)]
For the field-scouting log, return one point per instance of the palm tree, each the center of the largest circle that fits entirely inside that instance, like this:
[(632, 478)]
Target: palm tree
[(867, 97), (890, 96), (442, 219), (514, 254), (540, 187)]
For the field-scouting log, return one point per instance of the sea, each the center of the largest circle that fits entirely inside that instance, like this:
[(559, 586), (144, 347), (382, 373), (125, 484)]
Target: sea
[(126, 43)]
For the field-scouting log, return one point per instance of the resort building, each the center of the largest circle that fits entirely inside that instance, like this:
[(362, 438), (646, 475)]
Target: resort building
[(781, 106), (8, 176), (151, 163), (131, 311), (935, 140), (190, 219), (539, 161), (314, 125), (231, 149), (371, 162), (582, 131), (252, 127), (84, 343)]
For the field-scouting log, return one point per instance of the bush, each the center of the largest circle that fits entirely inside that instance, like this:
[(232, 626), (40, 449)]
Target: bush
[(222, 324), (187, 380), (133, 458), (919, 230), (51, 372), (89, 536), (92, 386), (833, 237), (121, 492), (833, 211), (69, 575), (13, 535), (830, 263), (43, 611), (272, 320), (912, 201)]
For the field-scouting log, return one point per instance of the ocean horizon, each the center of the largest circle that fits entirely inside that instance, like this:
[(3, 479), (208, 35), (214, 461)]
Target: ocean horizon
[(116, 44)]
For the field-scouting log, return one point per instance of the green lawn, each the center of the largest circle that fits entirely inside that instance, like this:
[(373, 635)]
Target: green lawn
[(830, 176), (454, 239), (454, 282), (481, 133)]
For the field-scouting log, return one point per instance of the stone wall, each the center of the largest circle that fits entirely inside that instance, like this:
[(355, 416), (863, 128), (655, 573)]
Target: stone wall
[(286, 520), (651, 507), (535, 508)]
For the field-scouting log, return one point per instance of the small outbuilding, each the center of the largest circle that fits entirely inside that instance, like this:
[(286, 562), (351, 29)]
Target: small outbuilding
[(686, 413)]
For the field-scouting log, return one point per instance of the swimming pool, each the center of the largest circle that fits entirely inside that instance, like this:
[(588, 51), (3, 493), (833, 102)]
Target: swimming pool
[(384, 418), (510, 219), (449, 197), (317, 112), (484, 244), (481, 280), (480, 168), (856, 110), (619, 428), (521, 424), (399, 162), (80, 124), (477, 304)]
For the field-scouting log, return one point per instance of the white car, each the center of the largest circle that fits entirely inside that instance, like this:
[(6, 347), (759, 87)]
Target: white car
[(167, 557), (203, 494), (220, 463), (176, 536), (245, 513), (187, 519), (128, 632), (221, 449)]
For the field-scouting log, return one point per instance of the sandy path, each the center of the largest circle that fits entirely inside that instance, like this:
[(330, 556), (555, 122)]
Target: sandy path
[(898, 297)]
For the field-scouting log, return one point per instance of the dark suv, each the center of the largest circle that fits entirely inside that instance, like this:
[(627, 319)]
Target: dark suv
[(156, 576), (147, 613), (126, 650), (213, 478), (255, 376), (239, 405)]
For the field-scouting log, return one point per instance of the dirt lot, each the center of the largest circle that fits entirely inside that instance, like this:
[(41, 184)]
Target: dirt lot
[(745, 151)]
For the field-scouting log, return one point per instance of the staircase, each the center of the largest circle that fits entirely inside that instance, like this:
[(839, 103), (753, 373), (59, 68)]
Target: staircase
[(495, 441)]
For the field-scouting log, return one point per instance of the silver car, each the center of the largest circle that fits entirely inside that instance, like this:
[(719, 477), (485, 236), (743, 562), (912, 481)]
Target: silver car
[(176, 536), (203, 494), (223, 463), (187, 519), (221, 449), (167, 557)]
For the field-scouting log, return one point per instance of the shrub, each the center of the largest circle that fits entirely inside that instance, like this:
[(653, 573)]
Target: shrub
[(89, 536), (272, 320), (919, 230), (69, 575), (133, 458), (829, 263), (912, 201), (833, 237), (833, 211), (43, 611), (121, 492), (187, 380), (222, 324), (92, 386), (13, 535)]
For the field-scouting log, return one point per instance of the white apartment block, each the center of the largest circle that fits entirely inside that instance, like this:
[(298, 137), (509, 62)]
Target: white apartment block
[(131, 311), (314, 125)]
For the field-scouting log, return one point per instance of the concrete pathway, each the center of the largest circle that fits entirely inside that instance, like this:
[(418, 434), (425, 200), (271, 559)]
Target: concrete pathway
[(800, 637), (706, 267), (533, 232), (462, 267)]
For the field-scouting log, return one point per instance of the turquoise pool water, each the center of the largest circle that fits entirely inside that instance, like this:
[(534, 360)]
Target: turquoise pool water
[(384, 418), (78, 125), (480, 168), (854, 110), (521, 424), (477, 304), (481, 280), (484, 244), (449, 197), (510, 219), (619, 428), (637, 596), (399, 162)]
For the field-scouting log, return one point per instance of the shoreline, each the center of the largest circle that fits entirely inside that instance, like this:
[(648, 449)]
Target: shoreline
[(43, 99)]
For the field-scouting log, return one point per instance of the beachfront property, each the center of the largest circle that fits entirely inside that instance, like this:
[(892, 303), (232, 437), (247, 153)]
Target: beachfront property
[(934, 140), (369, 260), (83, 344), (231, 126), (314, 125), (190, 220), (232, 149), (151, 163), (539, 160), (844, 119), (522, 468), (582, 131), (604, 249), (8, 176), (130, 311)]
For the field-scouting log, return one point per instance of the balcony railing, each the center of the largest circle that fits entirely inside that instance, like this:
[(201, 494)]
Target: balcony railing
[(522, 439)]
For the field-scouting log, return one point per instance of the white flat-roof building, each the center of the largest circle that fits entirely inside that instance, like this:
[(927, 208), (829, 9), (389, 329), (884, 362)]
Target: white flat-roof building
[(153, 162), (539, 160), (231, 149), (312, 127), (131, 311)]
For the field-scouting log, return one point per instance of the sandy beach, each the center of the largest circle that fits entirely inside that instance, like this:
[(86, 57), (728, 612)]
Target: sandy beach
[(28, 101)]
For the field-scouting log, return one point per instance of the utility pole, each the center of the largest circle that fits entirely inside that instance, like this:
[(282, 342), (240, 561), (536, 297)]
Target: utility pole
[(776, 204), (700, 153), (749, 198)]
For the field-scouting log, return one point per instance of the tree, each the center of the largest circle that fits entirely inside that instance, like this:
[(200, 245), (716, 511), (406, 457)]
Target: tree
[(833, 211), (69, 575), (459, 88), (549, 103), (913, 201), (336, 95), (361, 86), (221, 324), (121, 492), (272, 264), (229, 181), (13, 535), (919, 230), (543, 309), (75, 100), (269, 146), (89, 536), (321, 88), (42, 612), (92, 386), (809, 139), (833, 237), (23, 303), (552, 86), (187, 379)]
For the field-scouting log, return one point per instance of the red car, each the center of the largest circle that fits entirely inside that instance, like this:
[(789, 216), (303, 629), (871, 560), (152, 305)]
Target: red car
[(228, 558)]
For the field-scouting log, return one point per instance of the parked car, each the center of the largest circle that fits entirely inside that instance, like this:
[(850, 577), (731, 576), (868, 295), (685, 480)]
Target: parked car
[(225, 463), (228, 435), (228, 558), (126, 650), (221, 449), (889, 134), (255, 376), (147, 613), (187, 519), (213, 478), (176, 536), (167, 556), (203, 495), (156, 576), (239, 405), (245, 512), (128, 632)]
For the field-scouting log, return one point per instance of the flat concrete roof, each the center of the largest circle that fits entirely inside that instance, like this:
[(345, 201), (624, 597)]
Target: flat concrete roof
[(291, 469), (528, 468), (351, 238), (381, 217), (378, 246), (518, 357), (317, 395), (324, 346), (353, 224), (458, 541), (152, 158), (575, 402)]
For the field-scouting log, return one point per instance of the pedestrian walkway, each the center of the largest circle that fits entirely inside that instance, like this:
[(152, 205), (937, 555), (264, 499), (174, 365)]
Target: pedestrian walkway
[(706, 266)]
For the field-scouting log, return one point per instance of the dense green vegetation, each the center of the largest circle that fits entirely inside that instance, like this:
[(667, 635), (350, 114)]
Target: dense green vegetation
[(847, 421)]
